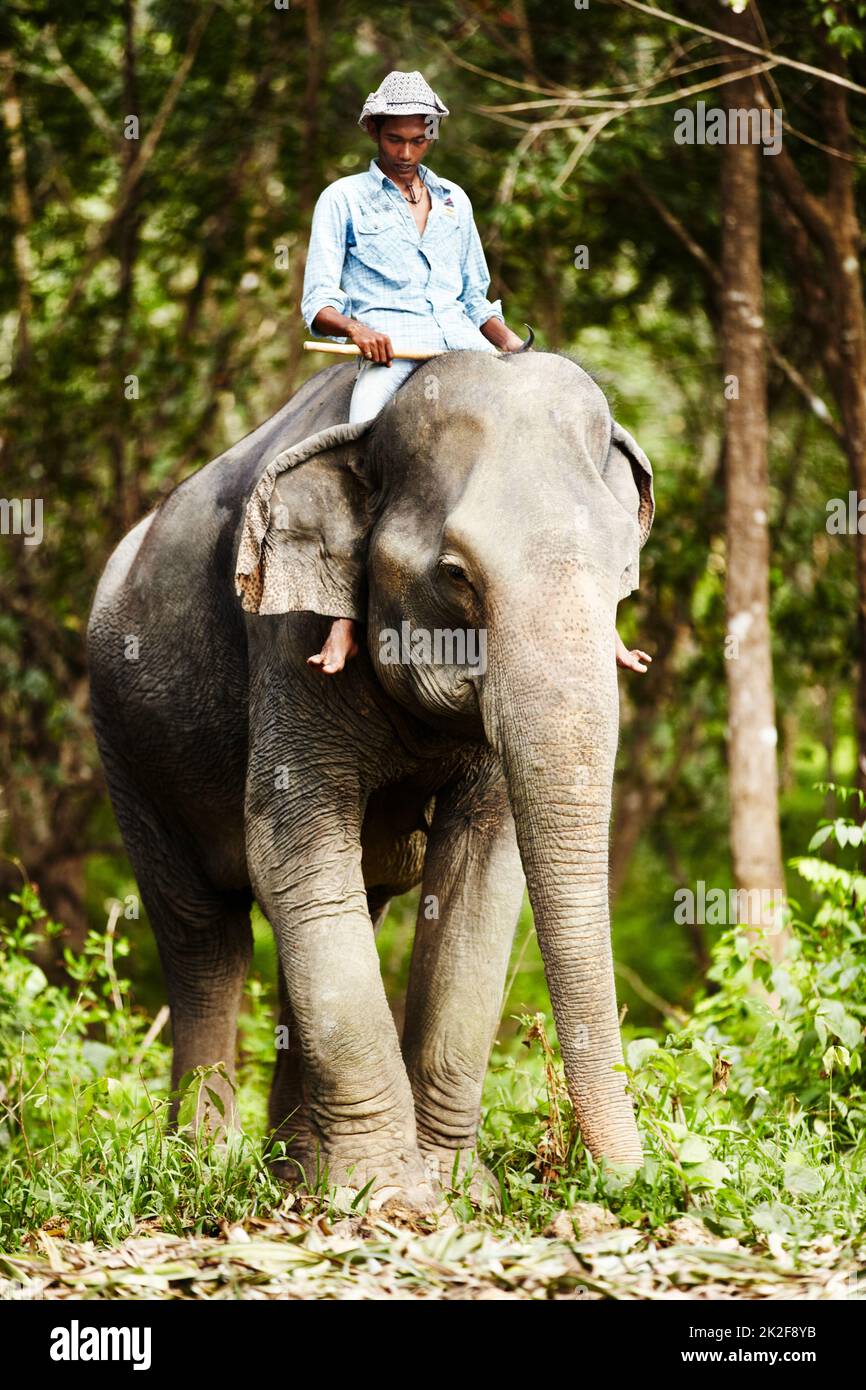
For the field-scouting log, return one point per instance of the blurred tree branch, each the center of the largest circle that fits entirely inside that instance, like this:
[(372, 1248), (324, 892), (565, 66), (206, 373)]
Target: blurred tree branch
[(828, 75), (136, 168), (62, 71)]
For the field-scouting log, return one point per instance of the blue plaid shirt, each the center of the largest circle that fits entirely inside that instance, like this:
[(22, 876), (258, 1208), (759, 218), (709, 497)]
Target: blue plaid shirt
[(367, 260)]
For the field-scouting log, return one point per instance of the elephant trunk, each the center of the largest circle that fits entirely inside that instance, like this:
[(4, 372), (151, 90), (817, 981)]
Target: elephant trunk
[(550, 706)]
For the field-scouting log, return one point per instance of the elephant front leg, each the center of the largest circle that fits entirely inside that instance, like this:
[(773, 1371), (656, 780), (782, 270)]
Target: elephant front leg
[(470, 902), (291, 1136), (359, 1120), (288, 1117)]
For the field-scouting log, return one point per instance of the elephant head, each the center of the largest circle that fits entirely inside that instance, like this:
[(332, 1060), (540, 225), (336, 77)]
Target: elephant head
[(493, 497)]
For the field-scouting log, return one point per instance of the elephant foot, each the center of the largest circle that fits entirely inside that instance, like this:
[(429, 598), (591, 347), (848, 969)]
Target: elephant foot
[(397, 1185), (288, 1153), (408, 1203), (461, 1170)]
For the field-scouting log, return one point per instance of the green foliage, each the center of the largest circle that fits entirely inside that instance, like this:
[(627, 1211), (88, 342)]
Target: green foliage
[(84, 1145), (794, 1026), (836, 19)]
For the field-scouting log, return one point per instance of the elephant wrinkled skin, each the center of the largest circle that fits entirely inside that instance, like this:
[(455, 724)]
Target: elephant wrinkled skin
[(494, 496)]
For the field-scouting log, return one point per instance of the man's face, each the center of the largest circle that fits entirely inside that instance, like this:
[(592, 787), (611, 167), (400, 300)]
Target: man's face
[(402, 143)]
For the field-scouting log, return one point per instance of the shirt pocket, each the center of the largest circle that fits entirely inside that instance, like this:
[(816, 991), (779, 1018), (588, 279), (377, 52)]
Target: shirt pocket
[(380, 245), (443, 245)]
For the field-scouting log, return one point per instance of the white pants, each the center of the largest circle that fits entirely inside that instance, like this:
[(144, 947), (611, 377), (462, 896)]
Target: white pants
[(374, 387)]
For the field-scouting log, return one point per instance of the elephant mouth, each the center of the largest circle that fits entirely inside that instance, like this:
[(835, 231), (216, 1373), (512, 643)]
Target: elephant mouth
[(441, 692)]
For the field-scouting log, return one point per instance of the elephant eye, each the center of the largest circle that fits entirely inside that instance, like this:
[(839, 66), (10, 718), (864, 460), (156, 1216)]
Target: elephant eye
[(454, 571)]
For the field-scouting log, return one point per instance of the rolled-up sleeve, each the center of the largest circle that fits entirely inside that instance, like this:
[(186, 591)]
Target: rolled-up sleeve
[(476, 276), (325, 257)]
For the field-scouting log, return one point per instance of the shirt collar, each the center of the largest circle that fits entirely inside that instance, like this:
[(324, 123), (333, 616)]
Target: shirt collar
[(432, 180)]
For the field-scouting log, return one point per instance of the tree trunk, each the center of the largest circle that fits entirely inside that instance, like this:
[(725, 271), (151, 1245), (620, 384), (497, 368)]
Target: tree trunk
[(846, 289), (831, 225), (21, 212), (756, 847), (310, 180), (125, 502)]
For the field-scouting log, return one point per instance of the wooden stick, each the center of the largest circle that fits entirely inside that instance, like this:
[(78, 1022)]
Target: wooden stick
[(349, 350)]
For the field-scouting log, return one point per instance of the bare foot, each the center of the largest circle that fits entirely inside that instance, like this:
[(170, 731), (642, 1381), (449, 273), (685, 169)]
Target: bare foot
[(631, 660), (340, 646)]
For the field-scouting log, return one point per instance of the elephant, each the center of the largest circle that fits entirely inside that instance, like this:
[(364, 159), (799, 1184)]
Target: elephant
[(493, 500)]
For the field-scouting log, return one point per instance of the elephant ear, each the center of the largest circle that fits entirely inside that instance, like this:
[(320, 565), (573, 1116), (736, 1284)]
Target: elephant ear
[(629, 475), (304, 537)]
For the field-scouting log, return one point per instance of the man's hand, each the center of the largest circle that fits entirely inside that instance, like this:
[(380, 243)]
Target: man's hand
[(376, 347), (501, 336)]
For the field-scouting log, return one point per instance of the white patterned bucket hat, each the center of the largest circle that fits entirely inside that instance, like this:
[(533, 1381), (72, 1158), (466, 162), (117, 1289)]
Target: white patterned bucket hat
[(403, 94)]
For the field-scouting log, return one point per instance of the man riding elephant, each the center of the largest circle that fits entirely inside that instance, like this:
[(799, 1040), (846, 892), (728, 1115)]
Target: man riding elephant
[(395, 263)]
